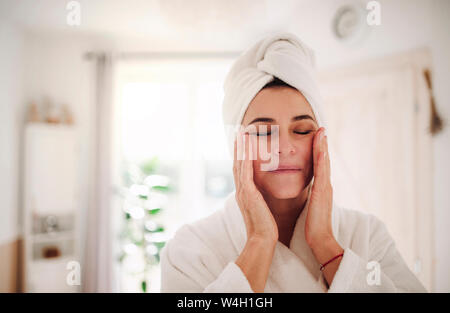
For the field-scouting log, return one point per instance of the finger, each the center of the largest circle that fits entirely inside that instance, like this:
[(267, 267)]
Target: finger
[(323, 145), (328, 185), (247, 163), (316, 149), (235, 165), (327, 158), (237, 159), (244, 143), (324, 148), (320, 166), (241, 164), (253, 147)]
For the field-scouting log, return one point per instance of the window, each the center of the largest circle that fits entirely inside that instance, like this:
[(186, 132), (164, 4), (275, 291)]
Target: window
[(168, 126)]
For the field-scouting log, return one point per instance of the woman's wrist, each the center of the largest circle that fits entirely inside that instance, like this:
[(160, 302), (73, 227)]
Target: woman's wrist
[(325, 252), (264, 240), (326, 249), (255, 260)]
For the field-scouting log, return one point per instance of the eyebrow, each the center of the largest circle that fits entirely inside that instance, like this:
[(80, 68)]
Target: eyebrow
[(270, 120)]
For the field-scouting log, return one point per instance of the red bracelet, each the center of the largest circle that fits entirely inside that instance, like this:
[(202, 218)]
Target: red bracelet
[(331, 260)]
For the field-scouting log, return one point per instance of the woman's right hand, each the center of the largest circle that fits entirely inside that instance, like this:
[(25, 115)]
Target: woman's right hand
[(258, 218)]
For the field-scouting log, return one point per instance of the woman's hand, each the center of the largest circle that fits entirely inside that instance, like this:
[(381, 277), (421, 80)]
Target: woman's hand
[(262, 231), (258, 218), (318, 226), (318, 221)]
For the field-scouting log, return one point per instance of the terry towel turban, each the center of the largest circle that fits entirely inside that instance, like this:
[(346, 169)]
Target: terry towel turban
[(281, 55)]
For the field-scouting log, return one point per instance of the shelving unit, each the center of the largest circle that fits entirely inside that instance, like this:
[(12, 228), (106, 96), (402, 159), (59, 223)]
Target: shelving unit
[(51, 214)]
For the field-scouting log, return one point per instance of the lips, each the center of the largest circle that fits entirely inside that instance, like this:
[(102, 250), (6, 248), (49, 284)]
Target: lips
[(287, 169)]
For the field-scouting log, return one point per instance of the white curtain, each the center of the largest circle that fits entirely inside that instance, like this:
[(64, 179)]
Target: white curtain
[(98, 263)]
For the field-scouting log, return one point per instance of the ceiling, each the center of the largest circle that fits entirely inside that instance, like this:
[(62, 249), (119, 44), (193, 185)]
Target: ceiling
[(190, 25)]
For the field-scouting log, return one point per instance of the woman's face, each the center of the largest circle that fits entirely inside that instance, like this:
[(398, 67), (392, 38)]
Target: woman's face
[(287, 108)]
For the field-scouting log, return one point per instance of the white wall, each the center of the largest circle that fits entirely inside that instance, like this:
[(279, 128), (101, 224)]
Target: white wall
[(11, 91)]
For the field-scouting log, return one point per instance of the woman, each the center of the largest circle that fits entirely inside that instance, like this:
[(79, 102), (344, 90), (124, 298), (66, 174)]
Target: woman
[(280, 230)]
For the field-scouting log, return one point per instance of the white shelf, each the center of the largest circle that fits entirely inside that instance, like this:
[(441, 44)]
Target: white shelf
[(50, 188)]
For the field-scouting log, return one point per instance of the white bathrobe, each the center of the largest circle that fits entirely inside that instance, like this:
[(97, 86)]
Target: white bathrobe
[(200, 257)]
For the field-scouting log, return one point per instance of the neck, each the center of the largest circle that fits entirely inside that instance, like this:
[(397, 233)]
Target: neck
[(286, 213)]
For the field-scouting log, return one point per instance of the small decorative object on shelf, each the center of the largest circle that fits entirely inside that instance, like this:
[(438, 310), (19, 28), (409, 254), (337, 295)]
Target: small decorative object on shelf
[(51, 252), (33, 113), (51, 224), (67, 117), (52, 114), (49, 113)]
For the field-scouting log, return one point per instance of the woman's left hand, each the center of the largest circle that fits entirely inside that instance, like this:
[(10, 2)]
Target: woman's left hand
[(318, 220), (318, 227)]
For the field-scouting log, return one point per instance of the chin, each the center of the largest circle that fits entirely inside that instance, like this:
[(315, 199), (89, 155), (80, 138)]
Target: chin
[(284, 192)]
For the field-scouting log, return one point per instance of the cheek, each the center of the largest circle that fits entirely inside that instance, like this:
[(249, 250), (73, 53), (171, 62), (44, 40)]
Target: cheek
[(257, 168), (306, 154), (259, 177)]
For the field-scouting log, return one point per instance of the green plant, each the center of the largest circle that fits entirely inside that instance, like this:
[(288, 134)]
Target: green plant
[(143, 199)]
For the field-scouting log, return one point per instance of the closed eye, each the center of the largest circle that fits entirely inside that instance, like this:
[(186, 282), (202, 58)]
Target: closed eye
[(268, 133), (303, 133)]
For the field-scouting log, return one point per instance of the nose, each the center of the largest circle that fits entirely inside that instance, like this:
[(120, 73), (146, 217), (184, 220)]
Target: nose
[(285, 145)]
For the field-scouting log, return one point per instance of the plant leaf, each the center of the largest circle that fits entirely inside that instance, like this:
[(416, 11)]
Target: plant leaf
[(154, 211), (148, 167), (161, 188), (160, 245)]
